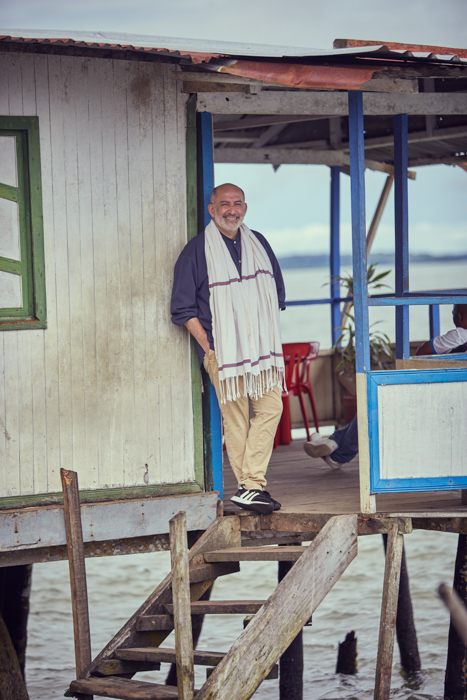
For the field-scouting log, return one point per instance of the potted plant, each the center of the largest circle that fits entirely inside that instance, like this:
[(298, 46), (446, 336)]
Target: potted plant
[(381, 354)]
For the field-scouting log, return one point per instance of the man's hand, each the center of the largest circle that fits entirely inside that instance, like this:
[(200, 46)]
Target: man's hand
[(425, 349), (198, 333)]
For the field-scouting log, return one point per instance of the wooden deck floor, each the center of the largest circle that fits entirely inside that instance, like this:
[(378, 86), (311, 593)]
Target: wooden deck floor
[(306, 485)]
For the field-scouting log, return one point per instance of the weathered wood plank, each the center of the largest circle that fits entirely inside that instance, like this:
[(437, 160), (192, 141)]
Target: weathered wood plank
[(79, 592), (331, 103), (122, 688), (201, 658), (117, 667), (313, 522), (388, 614), (272, 629), (291, 553), (222, 607), (181, 606), (151, 623)]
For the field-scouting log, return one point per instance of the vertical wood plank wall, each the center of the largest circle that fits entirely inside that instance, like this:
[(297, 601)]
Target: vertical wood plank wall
[(106, 389)]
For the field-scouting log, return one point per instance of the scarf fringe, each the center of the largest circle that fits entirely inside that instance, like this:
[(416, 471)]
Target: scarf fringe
[(254, 386)]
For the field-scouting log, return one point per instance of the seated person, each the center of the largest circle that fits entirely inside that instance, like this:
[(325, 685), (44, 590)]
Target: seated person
[(343, 444)]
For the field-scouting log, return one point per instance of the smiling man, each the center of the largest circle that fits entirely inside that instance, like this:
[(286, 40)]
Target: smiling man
[(227, 291)]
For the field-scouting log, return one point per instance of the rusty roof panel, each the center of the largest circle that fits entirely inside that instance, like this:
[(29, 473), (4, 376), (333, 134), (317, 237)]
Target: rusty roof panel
[(304, 76), (200, 50)]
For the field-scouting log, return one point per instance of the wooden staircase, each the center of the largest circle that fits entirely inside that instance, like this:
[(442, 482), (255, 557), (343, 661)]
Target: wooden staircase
[(253, 657)]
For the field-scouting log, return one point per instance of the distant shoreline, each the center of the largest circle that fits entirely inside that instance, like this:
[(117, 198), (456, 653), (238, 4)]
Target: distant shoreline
[(302, 261)]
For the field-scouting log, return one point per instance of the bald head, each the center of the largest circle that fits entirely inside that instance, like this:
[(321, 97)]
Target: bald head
[(227, 207), (220, 188)]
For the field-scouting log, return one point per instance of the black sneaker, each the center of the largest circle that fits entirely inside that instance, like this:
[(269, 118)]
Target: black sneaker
[(253, 499), (276, 504)]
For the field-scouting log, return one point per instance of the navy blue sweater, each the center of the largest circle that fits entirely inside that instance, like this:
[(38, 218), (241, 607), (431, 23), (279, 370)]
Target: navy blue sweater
[(190, 293)]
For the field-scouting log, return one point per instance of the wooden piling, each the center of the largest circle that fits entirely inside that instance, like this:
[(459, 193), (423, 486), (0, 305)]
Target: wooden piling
[(182, 606), (388, 613), (15, 586), (12, 685), (455, 683), (405, 626), (347, 655), (79, 591), (291, 661)]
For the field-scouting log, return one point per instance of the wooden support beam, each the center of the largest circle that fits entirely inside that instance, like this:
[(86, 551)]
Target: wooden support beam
[(79, 591), (181, 604), (388, 614), (455, 680), (222, 607), (122, 688), (12, 685), (332, 103), (295, 599)]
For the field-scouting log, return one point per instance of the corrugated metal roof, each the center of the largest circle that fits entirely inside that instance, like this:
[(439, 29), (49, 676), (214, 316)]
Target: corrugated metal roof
[(204, 50)]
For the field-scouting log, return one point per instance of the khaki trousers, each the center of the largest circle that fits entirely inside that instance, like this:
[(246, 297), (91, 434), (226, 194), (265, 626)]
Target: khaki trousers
[(249, 444)]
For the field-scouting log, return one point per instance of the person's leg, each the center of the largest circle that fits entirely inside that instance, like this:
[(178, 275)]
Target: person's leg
[(342, 445), (236, 420), (260, 441), (347, 442)]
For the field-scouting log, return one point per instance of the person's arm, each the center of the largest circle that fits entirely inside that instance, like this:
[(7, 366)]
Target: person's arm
[(425, 349), (198, 333)]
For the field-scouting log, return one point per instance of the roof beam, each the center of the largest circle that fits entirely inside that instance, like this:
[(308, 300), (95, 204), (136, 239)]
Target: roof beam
[(256, 122), (331, 103), (294, 156)]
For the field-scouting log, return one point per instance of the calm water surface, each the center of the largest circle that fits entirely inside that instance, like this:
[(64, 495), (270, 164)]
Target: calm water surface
[(118, 585)]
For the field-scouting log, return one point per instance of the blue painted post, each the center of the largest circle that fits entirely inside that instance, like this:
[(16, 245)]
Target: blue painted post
[(207, 164), (401, 233), (335, 257), (357, 191), (434, 321)]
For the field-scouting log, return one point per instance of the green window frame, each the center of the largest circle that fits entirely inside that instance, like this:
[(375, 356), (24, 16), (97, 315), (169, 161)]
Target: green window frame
[(28, 196)]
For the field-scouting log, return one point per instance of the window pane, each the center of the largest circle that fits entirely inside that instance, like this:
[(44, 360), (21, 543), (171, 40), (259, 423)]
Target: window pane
[(9, 230), (11, 292), (8, 173)]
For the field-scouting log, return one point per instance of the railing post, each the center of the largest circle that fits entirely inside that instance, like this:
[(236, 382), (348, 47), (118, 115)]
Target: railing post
[(334, 260)]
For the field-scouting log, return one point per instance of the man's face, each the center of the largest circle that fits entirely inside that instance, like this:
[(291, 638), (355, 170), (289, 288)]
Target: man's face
[(456, 316), (228, 210)]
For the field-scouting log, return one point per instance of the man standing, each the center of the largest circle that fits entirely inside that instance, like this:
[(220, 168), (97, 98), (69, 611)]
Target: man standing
[(227, 291)]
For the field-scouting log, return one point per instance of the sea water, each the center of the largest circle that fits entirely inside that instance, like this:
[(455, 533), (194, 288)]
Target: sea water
[(118, 585)]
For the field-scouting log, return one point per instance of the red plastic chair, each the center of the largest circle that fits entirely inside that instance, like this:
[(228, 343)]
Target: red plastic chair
[(297, 359)]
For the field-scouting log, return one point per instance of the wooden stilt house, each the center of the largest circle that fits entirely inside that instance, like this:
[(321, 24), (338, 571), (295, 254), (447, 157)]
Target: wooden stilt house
[(107, 145)]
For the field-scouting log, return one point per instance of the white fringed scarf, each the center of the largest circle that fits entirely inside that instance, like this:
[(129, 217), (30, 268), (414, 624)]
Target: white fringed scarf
[(245, 316)]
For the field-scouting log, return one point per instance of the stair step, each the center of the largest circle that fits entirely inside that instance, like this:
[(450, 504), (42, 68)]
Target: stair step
[(205, 572), (115, 667), (121, 688), (154, 623), (221, 607), (201, 658), (291, 553)]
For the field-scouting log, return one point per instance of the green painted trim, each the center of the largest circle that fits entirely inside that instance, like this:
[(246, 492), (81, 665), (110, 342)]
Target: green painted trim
[(102, 495), (9, 265), (28, 194), (37, 223), (9, 192), (192, 217)]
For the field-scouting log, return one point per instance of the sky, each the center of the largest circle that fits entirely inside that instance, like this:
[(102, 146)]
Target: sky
[(291, 206)]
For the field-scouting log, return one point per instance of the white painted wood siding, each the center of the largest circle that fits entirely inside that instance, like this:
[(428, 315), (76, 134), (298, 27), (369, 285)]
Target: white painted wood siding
[(422, 429), (106, 389)]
